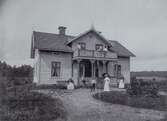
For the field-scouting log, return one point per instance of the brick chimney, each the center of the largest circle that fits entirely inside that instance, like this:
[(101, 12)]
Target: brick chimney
[(62, 30)]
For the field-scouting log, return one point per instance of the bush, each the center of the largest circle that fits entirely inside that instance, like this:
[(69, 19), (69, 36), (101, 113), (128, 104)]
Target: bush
[(33, 106), (142, 88)]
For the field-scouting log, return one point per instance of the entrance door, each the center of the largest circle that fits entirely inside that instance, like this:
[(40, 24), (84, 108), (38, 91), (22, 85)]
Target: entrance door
[(96, 71), (88, 68)]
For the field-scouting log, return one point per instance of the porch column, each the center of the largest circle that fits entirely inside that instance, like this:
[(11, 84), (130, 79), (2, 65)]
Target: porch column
[(107, 66), (98, 66), (92, 64), (78, 64), (116, 69), (104, 66), (83, 71)]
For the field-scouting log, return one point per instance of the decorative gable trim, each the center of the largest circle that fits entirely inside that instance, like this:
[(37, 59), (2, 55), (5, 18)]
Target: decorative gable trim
[(91, 30)]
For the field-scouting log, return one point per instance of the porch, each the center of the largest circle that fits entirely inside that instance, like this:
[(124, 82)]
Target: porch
[(89, 64), (88, 69)]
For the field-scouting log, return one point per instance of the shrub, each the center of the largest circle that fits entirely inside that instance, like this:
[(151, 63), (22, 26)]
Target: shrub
[(134, 88), (33, 106), (142, 88)]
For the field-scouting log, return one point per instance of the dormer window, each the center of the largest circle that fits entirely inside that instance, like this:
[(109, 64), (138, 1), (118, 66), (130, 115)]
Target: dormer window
[(99, 47), (82, 45)]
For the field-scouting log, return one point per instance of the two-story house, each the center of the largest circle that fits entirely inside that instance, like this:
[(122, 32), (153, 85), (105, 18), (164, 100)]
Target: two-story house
[(59, 57)]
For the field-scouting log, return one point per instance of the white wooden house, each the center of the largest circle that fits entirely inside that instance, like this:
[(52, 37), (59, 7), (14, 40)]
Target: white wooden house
[(59, 57)]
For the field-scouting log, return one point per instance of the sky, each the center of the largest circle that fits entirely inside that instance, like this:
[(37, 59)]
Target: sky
[(140, 25)]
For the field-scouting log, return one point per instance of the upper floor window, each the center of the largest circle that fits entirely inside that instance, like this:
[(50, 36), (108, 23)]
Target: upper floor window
[(55, 69), (82, 45), (99, 47)]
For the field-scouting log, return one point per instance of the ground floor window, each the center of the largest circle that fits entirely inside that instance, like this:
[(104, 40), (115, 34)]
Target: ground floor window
[(55, 69), (117, 68)]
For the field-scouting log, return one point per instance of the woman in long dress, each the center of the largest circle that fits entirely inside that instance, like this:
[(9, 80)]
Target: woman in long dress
[(121, 84), (107, 83)]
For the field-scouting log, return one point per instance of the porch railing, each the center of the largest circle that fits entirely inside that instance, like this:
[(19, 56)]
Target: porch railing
[(94, 54)]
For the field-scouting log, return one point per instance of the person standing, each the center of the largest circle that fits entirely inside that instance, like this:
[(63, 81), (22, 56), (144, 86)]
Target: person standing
[(121, 84), (106, 83), (93, 84)]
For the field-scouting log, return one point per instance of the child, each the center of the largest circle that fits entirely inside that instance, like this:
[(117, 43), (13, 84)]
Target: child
[(70, 85), (93, 84)]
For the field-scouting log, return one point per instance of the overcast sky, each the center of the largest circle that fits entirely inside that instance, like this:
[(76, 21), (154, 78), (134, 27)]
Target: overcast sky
[(140, 25)]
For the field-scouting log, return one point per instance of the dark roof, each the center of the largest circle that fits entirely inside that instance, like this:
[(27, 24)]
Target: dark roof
[(120, 49), (56, 42), (50, 42)]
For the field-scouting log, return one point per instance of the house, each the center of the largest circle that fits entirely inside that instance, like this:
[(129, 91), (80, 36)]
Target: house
[(59, 57)]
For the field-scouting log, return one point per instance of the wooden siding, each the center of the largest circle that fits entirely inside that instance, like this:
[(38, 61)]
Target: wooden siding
[(45, 67), (125, 68), (90, 39)]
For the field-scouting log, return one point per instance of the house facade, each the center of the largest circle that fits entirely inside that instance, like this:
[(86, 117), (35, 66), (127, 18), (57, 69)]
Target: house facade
[(59, 57)]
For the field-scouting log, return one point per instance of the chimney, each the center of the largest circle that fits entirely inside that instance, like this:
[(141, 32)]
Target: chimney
[(62, 30)]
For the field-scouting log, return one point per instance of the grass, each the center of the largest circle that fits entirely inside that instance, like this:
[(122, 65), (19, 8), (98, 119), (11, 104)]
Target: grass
[(115, 97)]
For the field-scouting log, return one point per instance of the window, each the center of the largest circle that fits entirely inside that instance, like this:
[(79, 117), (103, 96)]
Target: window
[(55, 69), (117, 68), (99, 47), (82, 45)]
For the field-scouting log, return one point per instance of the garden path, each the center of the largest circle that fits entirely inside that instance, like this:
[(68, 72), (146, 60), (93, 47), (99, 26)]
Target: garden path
[(81, 106)]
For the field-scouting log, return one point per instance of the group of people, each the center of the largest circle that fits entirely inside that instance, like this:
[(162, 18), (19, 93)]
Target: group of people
[(70, 85), (106, 83)]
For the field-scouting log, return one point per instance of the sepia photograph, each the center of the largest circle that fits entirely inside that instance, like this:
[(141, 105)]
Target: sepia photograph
[(83, 60)]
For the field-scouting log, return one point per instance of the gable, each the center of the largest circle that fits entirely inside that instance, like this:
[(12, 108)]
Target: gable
[(92, 30), (90, 39)]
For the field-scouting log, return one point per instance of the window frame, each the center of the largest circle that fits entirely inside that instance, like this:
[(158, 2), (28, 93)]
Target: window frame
[(82, 45), (97, 47), (57, 69)]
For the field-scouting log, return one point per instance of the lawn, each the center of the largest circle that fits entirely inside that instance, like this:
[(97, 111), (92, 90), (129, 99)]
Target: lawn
[(117, 97)]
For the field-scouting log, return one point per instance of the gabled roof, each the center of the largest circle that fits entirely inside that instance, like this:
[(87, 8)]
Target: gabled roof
[(120, 49), (50, 42), (86, 32)]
